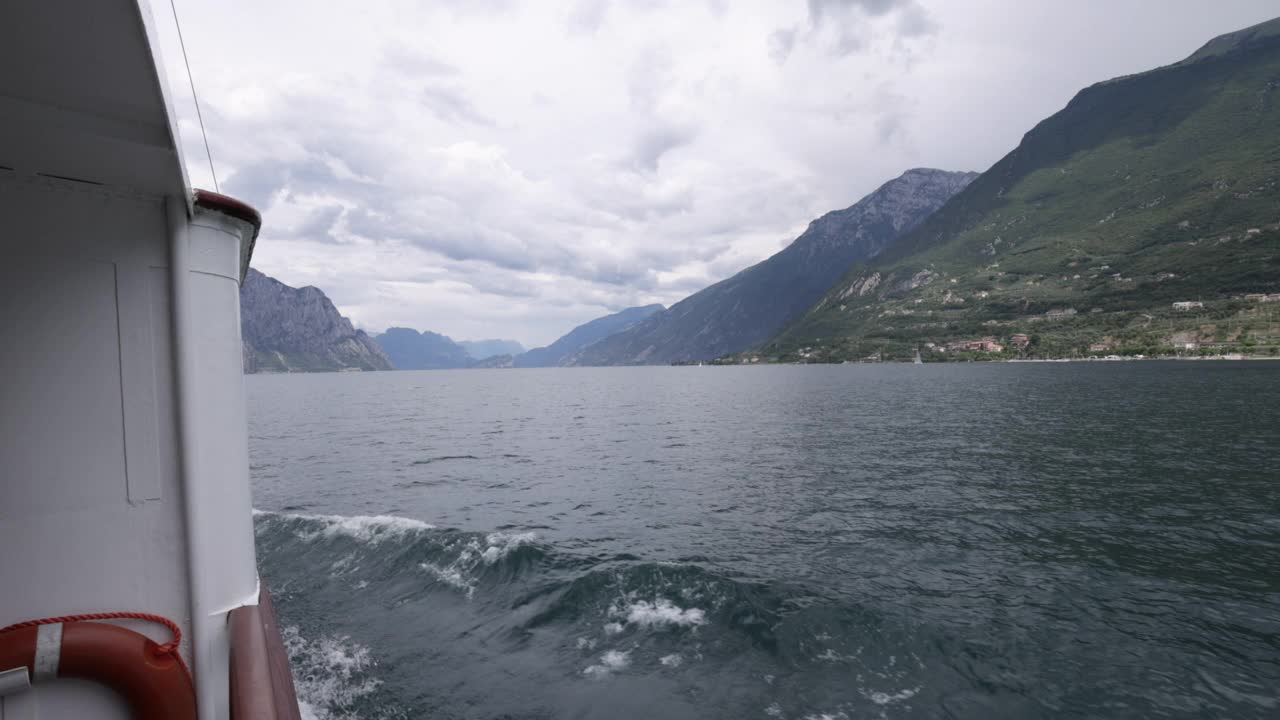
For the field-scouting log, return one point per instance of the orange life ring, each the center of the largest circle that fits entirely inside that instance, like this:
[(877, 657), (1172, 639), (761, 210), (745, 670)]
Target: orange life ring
[(151, 677)]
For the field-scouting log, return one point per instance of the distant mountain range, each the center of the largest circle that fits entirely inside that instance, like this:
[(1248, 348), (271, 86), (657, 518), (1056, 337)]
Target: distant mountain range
[(1143, 218), (413, 350), (749, 307), (409, 349), (481, 349), (288, 329), (567, 349)]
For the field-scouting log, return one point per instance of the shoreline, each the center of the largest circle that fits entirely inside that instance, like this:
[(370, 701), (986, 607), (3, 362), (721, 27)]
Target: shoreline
[(1214, 358), (1143, 359)]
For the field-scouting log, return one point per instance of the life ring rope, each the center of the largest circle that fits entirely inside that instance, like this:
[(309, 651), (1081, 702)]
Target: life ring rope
[(169, 648)]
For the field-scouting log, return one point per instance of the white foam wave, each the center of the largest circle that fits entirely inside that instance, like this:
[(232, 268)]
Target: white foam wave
[(330, 674), (612, 628), (306, 711), (832, 656), (880, 698), (373, 528), (460, 573), (500, 545), (366, 528), (663, 612), (451, 575), (673, 660), (611, 661)]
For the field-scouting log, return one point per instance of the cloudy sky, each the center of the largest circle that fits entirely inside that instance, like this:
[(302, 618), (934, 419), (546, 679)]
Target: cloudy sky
[(495, 168)]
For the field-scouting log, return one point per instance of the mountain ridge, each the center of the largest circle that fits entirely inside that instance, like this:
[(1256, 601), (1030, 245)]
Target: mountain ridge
[(1236, 41), (751, 305), (410, 349), (567, 346)]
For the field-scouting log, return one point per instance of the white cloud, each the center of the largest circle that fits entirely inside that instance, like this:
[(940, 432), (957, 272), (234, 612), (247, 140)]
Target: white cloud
[(509, 169)]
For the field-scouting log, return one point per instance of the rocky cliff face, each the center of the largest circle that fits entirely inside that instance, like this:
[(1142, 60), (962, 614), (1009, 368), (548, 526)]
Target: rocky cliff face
[(749, 307), (288, 329)]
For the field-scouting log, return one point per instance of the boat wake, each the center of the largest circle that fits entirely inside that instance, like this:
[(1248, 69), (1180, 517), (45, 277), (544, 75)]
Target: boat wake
[(391, 617), (331, 674)]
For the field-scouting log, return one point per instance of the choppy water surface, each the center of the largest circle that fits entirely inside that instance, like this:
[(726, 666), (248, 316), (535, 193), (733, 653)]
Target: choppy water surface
[(967, 541)]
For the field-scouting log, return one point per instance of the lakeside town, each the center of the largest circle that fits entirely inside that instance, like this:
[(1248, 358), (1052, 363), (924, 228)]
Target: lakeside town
[(1239, 328)]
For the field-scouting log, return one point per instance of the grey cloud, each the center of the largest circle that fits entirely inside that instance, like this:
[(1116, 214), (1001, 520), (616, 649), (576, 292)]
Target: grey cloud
[(850, 39), (259, 182), (417, 63), (451, 105), (489, 252), (657, 141), (614, 204), (889, 126), (477, 272), (781, 42), (640, 209), (477, 7), (320, 224), (821, 9), (648, 77), (256, 184), (888, 112), (588, 15), (437, 223), (725, 266), (479, 277), (506, 285), (618, 274), (914, 21), (693, 283), (847, 21), (473, 242)]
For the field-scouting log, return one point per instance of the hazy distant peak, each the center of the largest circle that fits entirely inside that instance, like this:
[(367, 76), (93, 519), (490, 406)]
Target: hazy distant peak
[(490, 347), (409, 349), (565, 349)]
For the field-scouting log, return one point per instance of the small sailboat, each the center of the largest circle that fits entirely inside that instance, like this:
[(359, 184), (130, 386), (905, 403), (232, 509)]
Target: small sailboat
[(126, 524), (918, 360)]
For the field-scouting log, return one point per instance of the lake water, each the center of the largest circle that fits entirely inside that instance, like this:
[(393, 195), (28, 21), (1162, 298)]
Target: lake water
[(823, 542)]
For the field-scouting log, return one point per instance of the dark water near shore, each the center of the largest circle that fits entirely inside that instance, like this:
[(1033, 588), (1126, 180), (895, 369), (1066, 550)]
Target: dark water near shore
[(967, 541)]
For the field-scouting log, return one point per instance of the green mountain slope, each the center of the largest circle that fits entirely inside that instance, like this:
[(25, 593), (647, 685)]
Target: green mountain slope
[(1144, 191)]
